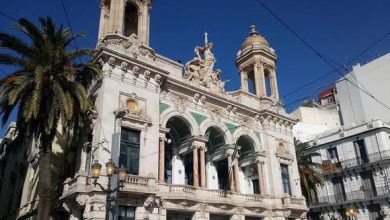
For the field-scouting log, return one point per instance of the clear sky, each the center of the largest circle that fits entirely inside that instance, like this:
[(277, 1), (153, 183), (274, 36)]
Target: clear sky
[(339, 30)]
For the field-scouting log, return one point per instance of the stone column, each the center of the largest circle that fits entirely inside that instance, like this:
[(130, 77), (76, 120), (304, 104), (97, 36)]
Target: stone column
[(230, 172), (143, 23), (202, 168), (161, 167), (102, 23), (117, 10), (260, 171), (263, 91), (244, 81), (195, 165), (257, 73), (274, 84), (236, 176)]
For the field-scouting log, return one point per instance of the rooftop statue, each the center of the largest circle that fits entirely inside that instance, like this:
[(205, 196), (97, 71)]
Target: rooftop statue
[(201, 68)]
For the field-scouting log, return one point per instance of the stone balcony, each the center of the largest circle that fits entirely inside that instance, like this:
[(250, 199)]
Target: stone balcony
[(186, 192), (138, 185)]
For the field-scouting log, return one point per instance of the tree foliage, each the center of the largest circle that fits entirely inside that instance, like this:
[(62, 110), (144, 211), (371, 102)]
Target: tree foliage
[(309, 171), (48, 87)]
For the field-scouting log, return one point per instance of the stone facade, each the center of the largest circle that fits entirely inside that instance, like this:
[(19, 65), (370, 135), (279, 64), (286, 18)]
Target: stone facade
[(357, 172), (192, 149)]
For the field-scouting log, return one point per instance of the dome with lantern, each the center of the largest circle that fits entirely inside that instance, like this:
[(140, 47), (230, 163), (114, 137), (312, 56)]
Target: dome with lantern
[(254, 38)]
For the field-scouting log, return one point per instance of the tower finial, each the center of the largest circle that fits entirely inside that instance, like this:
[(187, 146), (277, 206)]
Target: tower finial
[(253, 30), (206, 39)]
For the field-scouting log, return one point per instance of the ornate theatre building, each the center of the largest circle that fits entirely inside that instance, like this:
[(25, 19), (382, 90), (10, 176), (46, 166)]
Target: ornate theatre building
[(191, 149)]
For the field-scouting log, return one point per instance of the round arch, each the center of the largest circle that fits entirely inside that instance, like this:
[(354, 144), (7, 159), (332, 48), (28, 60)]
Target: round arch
[(250, 135), (216, 138), (247, 145), (224, 130), (164, 118)]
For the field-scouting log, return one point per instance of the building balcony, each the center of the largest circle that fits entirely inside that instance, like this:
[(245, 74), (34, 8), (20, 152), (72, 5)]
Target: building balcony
[(139, 184), (143, 186), (371, 158), (329, 167), (180, 192), (352, 196)]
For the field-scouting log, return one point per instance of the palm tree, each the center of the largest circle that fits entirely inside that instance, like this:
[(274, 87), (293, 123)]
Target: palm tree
[(308, 170), (47, 88)]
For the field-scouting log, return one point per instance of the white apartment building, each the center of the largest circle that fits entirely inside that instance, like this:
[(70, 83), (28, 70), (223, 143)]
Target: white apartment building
[(357, 106), (177, 134), (314, 119), (356, 166)]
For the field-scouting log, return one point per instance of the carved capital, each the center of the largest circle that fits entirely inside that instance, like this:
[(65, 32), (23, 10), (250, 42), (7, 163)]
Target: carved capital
[(136, 70), (203, 99), (158, 79), (124, 65), (147, 74), (111, 61), (196, 97)]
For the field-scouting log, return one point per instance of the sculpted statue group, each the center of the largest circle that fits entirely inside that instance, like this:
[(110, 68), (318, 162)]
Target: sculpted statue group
[(201, 69)]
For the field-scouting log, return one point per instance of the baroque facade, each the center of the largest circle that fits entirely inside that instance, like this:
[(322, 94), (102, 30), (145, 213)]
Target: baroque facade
[(191, 149)]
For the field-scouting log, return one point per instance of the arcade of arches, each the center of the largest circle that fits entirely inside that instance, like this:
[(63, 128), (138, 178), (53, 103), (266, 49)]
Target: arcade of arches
[(208, 161)]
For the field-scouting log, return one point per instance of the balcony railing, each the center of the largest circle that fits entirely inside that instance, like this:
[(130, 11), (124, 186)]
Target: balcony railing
[(374, 157), (352, 196), (333, 167), (185, 189), (137, 180), (139, 184)]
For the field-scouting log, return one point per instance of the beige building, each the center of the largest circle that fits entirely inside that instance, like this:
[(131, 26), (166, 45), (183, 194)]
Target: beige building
[(13, 166), (191, 149)]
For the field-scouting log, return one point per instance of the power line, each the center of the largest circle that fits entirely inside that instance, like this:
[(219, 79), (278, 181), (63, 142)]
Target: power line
[(317, 53), (3, 71), (70, 26), (8, 16), (308, 84)]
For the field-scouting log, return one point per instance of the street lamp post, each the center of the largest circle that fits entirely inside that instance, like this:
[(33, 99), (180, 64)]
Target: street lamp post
[(351, 212), (111, 169)]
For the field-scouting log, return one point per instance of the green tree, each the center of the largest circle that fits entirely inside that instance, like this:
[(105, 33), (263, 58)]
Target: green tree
[(47, 90), (309, 171)]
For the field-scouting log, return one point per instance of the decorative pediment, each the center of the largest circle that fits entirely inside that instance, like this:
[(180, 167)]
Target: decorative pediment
[(136, 107)]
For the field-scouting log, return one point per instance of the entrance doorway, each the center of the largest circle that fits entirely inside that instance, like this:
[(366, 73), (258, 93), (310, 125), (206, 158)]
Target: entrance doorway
[(172, 215)]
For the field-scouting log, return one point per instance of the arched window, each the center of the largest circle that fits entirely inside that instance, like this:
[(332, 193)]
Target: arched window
[(246, 146), (251, 82), (131, 20), (179, 132), (268, 89), (217, 163)]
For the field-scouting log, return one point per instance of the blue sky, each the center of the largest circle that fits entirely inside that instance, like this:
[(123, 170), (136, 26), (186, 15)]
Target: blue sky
[(339, 30)]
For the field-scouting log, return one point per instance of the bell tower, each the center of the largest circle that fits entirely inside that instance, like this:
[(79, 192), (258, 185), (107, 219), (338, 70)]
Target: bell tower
[(256, 61), (126, 18)]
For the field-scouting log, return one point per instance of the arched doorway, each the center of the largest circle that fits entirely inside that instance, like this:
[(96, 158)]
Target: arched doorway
[(178, 168), (216, 161), (248, 175)]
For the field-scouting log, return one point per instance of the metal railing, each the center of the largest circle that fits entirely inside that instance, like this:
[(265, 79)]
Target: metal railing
[(351, 196), (329, 167), (358, 161)]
